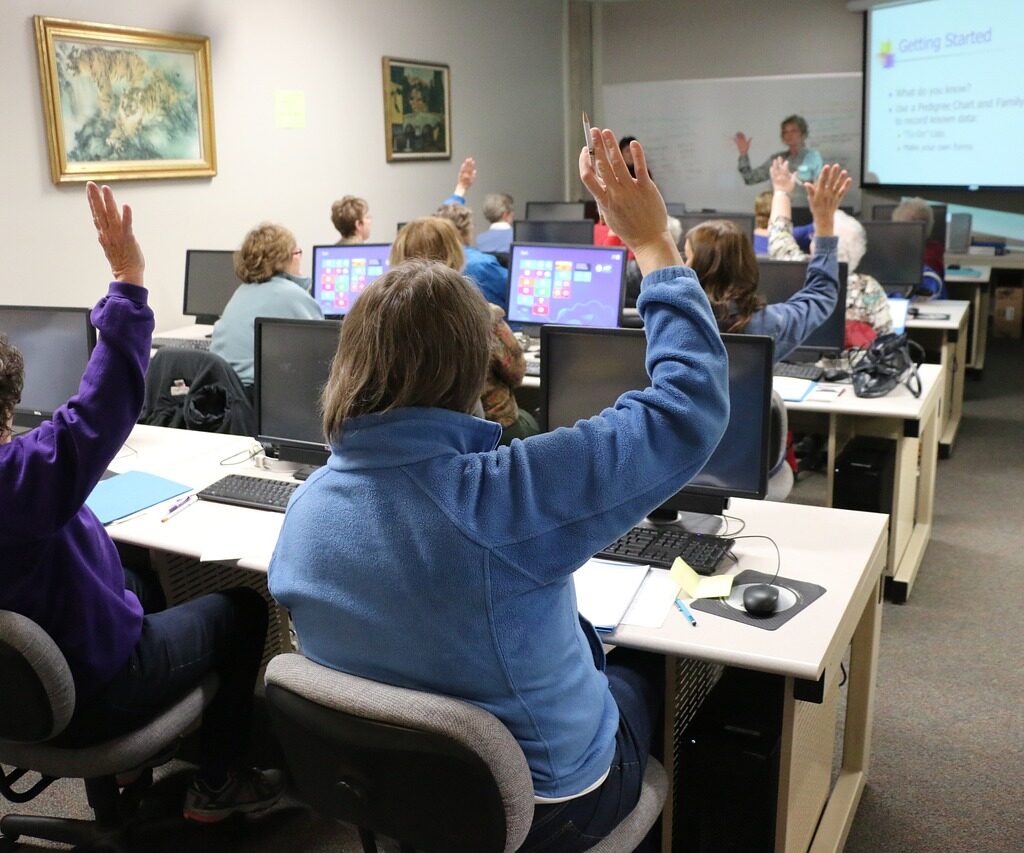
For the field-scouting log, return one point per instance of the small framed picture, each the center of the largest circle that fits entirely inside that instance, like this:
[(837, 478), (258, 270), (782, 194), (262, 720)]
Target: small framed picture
[(417, 110), (123, 103)]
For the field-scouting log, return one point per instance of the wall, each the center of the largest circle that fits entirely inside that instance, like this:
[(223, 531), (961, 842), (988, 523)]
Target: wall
[(329, 49)]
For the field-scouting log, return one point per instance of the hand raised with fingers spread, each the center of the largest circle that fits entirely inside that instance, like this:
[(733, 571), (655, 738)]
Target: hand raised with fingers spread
[(467, 175), (742, 142), (115, 235), (782, 177), (824, 196), (632, 207)]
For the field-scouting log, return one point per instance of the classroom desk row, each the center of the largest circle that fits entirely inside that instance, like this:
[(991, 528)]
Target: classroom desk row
[(210, 546)]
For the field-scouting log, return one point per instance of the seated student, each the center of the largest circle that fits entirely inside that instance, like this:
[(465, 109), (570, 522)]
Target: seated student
[(803, 234), (499, 212), (485, 270), (268, 263), (434, 238), (351, 216), (867, 309), (933, 285), (61, 569), (448, 565), (723, 259)]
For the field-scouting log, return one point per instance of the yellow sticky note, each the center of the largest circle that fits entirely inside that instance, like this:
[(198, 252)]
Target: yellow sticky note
[(289, 109), (696, 586)]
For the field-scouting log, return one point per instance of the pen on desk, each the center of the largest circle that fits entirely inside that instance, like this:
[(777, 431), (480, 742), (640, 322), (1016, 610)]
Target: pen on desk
[(589, 137), (188, 500), (681, 605)]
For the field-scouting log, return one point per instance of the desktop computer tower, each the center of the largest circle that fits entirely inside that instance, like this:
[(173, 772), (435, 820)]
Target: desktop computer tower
[(727, 767), (864, 475)]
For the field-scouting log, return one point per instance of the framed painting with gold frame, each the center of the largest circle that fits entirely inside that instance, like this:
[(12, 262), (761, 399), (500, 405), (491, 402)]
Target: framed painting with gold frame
[(417, 110), (123, 103)]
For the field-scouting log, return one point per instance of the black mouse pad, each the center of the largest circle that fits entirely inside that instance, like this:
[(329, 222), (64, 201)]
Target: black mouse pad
[(794, 596)]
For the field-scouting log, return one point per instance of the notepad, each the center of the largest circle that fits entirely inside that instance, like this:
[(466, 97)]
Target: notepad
[(696, 586), (792, 389), (604, 591), (120, 496)]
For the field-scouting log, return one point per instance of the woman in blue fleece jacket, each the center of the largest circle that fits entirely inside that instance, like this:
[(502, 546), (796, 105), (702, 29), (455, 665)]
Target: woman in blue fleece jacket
[(424, 556), (724, 261)]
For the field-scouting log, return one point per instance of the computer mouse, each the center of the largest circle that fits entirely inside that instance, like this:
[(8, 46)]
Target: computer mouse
[(760, 599)]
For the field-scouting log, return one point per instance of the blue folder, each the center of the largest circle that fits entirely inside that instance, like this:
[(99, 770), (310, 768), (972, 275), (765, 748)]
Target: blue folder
[(131, 492)]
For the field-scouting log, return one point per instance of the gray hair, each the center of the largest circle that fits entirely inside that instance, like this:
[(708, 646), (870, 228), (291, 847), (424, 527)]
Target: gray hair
[(496, 205), (675, 228), (915, 210), (853, 241)]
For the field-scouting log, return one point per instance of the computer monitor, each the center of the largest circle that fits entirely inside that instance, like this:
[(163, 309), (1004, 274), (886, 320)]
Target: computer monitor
[(883, 213), (341, 273), (779, 280), (56, 344), (210, 281), (292, 364), (744, 221), (895, 255), (958, 235), (584, 371), (554, 210), (567, 285), (801, 214), (578, 232)]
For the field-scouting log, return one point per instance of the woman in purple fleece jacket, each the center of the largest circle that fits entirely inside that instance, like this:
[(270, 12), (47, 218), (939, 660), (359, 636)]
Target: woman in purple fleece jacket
[(61, 569)]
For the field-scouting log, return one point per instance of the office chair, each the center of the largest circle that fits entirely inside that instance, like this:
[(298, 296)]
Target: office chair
[(194, 389), (780, 475), (435, 773), (38, 702)]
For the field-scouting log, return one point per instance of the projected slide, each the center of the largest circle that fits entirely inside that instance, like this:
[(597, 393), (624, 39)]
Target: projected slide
[(945, 94)]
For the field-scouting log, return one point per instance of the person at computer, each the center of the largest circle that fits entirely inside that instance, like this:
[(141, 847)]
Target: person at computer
[(62, 570), (351, 216), (932, 286), (435, 238), (723, 258), (448, 563), (867, 309), (762, 213), (269, 265), (806, 162), (499, 211)]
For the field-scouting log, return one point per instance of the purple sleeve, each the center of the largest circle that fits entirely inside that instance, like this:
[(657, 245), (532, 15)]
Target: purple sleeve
[(49, 472)]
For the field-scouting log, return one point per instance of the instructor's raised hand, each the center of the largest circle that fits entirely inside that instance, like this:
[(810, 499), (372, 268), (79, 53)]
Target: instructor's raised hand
[(115, 235)]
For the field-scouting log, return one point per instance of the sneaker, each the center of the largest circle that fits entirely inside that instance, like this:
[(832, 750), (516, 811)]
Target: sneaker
[(245, 792)]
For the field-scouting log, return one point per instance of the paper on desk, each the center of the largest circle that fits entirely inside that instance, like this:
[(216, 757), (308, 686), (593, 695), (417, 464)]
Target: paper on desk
[(824, 394), (654, 600), (695, 586), (605, 590), (791, 388), (228, 546)]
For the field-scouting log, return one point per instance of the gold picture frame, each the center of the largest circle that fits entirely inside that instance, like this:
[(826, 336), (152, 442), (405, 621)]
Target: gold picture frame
[(123, 103), (417, 110)]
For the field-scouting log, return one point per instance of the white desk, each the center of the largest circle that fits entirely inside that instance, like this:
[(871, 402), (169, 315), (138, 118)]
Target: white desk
[(913, 423), (843, 551), (192, 332), (949, 339)]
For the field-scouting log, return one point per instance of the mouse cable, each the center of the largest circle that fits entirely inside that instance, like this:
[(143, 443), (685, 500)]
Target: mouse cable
[(245, 454), (842, 669), (778, 553), (726, 519)]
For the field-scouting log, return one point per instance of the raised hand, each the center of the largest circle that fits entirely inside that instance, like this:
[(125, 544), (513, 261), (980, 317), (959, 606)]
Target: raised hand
[(115, 235), (742, 142), (782, 177), (824, 196), (632, 207), (467, 175)]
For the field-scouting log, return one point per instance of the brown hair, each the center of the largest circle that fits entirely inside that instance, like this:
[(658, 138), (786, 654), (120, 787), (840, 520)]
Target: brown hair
[(347, 212), (762, 208), (724, 261), (12, 382), (799, 121), (430, 238), (420, 336), (461, 217), (266, 250)]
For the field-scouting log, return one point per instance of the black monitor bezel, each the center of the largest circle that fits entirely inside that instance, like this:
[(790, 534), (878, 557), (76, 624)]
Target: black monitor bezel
[(939, 221), (581, 205), (526, 223), (23, 416), (839, 310), (333, 315), (684, 498), (748, 218), (907, 287), (205, 319)]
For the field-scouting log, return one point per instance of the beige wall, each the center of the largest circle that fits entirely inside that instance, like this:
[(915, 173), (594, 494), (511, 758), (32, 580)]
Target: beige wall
[(507, 112)]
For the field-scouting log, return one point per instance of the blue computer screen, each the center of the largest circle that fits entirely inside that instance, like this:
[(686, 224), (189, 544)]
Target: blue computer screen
[(566, 285), (341, 273)]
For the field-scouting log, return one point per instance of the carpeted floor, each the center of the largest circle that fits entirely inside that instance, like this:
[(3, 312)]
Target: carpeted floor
[(947, 768)]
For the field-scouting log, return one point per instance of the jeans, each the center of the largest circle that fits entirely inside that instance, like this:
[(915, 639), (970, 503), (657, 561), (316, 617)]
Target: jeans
[(223, 632), (636, 681)]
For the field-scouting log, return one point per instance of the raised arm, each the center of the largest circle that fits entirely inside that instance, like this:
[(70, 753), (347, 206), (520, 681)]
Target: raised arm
[(781, 243), (465, 179)]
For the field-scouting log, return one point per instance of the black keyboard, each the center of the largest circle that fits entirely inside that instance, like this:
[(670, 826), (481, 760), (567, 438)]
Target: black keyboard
[(182, 343), (253, 492), (799, 371), (659, 546)]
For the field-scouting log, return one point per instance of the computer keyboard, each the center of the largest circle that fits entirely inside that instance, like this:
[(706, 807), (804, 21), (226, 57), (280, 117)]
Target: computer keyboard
[(253, 492), (659, 546), (182, 343), (799, 371)]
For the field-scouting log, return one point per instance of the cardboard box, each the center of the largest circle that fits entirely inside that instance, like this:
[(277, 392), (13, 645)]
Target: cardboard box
[(1009, 306)]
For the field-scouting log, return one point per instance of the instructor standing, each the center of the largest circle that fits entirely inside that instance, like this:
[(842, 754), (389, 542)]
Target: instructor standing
[(806, 162)]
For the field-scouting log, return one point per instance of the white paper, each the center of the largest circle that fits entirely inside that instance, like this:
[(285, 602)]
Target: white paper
[(791, 388), (604, 590), (654, 600)]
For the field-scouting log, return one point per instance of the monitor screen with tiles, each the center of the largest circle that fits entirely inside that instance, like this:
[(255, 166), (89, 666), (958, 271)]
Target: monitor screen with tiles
[(55, 344), (566, 285), (341, 273)]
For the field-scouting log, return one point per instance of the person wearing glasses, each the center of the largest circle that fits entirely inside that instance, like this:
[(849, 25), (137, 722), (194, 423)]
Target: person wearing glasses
[(269, 265)]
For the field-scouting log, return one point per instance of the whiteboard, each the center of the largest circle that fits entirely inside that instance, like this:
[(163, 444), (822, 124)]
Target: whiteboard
[(687, 128)]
